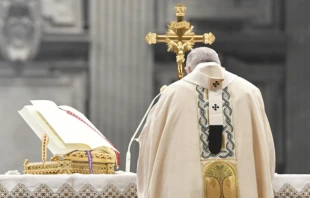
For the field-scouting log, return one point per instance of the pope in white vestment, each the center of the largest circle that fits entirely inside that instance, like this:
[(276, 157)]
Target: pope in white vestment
[(207, 137)]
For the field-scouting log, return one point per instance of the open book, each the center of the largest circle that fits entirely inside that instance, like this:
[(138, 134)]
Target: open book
[(68, 129)]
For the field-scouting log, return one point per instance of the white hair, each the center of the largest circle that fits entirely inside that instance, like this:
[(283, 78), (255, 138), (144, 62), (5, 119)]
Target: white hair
[(201, 55)]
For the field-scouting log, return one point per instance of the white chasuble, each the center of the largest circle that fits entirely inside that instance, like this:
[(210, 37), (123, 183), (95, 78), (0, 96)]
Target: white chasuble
[(207, 137)]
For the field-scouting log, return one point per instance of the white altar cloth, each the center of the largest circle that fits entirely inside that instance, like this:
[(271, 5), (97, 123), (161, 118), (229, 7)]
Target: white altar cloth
[(120, 184), (291, 186)]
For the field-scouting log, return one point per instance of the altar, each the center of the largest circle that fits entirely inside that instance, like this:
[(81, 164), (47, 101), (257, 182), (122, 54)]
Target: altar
[(117, 185), (120, 185)]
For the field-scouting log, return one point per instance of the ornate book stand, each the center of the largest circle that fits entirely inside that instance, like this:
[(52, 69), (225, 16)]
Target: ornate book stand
[(82, 162)]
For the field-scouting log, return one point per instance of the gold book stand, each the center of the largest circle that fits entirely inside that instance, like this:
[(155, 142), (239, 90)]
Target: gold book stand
[(74, 162)]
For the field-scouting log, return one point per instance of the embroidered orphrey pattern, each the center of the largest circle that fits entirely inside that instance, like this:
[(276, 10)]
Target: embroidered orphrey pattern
[(66, 191), (203, 105)]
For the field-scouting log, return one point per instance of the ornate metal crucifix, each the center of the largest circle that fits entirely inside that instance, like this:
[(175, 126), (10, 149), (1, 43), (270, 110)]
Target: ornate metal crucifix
[(180, 38)]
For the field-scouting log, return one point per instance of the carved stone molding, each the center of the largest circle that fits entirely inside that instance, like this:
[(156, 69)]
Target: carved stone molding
[(20, 24), (64, 17)]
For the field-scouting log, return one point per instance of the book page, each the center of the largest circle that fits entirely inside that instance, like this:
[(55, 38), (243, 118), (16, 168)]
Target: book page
[(85, 119), (81, 115), (28, 113), (65, 148), (70, 129), (40, 126)]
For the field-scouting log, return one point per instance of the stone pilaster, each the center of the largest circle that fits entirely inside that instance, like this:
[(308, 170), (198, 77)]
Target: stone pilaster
[(120, 68), (297, 84)]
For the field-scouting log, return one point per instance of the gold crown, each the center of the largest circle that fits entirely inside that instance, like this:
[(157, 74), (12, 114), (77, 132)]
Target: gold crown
[(180, 10)]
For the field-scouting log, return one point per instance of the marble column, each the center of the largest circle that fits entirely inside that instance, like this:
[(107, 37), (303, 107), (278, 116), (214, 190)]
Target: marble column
[(120, 69), (297, 84)]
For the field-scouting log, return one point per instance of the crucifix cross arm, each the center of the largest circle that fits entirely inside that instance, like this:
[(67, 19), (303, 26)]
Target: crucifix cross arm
[(207, 38)]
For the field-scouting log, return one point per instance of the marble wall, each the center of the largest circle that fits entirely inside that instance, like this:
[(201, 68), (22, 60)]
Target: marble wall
[(116, 84), (58, 72), (259, 12), (17, 141)]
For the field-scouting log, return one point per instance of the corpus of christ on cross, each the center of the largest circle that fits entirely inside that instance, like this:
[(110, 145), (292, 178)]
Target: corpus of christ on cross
[(180, 38)]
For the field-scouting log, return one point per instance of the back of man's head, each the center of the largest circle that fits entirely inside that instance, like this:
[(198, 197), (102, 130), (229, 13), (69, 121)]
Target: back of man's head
[(201, 55)]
